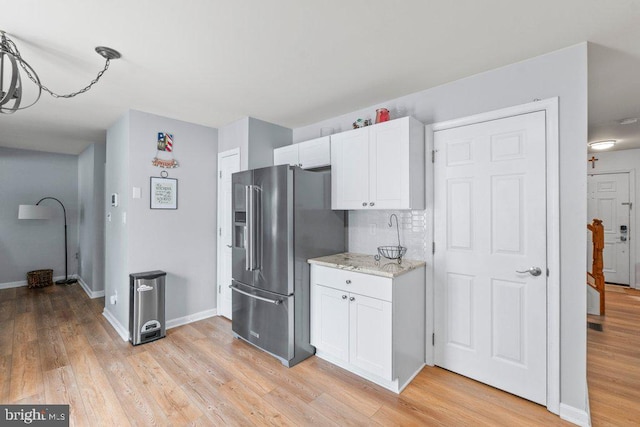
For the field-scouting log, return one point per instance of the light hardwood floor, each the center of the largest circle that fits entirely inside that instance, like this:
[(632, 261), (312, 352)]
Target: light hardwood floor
[(56, 347), (613, 360)]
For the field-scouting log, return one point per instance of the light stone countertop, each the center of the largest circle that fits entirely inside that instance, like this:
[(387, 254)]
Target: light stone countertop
[(367, 264)]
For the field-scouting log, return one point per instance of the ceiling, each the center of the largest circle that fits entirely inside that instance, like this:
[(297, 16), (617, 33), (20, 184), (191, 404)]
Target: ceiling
[(295, 62)]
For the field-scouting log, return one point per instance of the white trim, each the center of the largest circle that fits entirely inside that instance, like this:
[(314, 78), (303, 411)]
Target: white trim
[(550, 107), (173, 323), (634, 235), (574, 415), (9, 285), (228, 153), (121, 330), (88, 291), (429, 272)]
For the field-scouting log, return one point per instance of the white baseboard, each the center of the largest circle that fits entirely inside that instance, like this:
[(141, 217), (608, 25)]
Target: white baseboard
[(21, 283), (9, 285), (191, 318), (121, 330), (574, 415), (89, 292)]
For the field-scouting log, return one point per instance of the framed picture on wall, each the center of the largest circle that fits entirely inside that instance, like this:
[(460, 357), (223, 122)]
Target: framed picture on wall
[(164, 193)]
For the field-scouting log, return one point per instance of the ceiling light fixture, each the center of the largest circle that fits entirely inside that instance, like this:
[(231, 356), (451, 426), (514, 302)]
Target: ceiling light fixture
[(11, 94), (602, 145)]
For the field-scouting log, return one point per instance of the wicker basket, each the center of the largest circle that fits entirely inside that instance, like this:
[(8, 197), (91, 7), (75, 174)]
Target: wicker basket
[(39, 278)]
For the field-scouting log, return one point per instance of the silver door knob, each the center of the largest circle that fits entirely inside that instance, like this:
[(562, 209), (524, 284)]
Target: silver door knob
[(348, 281), (364, 203), (371, 204), (534, 271), (352, 299), (623, 238), (344, 297)]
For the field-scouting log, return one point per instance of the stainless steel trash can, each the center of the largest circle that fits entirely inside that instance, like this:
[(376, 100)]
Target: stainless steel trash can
[(146, 306)]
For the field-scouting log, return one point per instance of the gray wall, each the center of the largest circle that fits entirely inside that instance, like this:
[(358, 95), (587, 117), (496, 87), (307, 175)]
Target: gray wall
[(26, 177), (256, 140), (91, 219), (263, 138), (116, 231), (563, 74), (181, 242)]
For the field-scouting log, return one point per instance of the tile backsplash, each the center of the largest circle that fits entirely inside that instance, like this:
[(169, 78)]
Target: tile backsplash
[(370, 229)]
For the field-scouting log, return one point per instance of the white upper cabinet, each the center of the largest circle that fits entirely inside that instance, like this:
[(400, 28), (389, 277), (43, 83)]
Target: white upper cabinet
[(310, 154), (379, 166)]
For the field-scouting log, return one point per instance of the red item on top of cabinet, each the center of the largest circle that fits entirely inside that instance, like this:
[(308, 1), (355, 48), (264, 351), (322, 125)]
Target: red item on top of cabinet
[(382, 115)]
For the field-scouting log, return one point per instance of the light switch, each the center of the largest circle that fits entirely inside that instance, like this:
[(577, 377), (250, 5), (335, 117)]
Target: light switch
[(136, 192)]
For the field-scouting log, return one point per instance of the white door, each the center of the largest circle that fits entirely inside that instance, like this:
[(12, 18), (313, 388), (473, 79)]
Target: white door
[(490, 229), (370, 335), (330, 321), (350, 169), (389, 164), (228, 163), (609, 201)]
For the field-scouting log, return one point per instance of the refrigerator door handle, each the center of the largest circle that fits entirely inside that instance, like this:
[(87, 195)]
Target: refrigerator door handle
[(252, 199), (272, 301)]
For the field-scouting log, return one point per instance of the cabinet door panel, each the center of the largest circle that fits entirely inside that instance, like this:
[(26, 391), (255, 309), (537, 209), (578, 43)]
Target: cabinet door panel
[(370, 335), (389, 165), (350, 169), (287, 155), (315, 153), (329, 321)]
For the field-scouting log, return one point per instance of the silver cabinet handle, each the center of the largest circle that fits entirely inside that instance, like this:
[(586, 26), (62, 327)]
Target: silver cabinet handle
[(534, 271), (252, 203), (344, 297), (240, 291), (348, 281), (352, 299), (371, 204), (364, 203)]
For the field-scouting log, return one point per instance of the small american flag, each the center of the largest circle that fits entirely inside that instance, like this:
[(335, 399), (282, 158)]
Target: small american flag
[(169, 141)]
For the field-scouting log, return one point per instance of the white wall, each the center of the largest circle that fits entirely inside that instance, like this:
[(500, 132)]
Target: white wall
[(563, 74), (624, 161), (91, 164), (26, 177), (181, 242)]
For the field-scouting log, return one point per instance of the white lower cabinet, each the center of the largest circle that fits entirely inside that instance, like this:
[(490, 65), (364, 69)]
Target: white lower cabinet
[(370, 325)]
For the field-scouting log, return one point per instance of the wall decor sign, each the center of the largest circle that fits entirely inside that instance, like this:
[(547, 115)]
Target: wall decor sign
[(164, 152), (164, 192)]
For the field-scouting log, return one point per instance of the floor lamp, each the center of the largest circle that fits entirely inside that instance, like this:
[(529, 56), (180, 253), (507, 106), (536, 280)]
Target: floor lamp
[(42, 212)]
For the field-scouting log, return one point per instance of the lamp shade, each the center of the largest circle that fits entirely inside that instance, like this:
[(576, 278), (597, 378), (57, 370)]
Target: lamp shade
[(34, 212)]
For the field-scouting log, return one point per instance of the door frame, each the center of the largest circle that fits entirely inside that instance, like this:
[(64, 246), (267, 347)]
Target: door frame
[(221, 155), (634, 235), (550, 107)]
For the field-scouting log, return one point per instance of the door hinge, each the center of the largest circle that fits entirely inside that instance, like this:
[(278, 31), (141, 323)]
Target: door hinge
[(220, 174), (547, 272), (220, 231), (433, 247), (433, 156), (219, 288), (433, 339)]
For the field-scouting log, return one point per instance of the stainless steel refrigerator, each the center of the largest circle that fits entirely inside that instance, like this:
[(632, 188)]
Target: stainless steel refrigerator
[(281, 217)]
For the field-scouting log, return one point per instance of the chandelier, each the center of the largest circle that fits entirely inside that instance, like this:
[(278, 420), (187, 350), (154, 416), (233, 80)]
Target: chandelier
[(12, 64)]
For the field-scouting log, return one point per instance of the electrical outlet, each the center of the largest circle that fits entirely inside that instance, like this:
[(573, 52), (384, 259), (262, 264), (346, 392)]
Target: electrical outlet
[(114, 298)]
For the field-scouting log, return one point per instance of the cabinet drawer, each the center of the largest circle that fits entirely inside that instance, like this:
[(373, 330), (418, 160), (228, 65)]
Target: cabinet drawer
[(351, 281)]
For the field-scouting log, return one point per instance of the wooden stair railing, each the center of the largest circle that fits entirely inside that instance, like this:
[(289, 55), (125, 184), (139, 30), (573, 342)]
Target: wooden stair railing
[(595, 279)]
